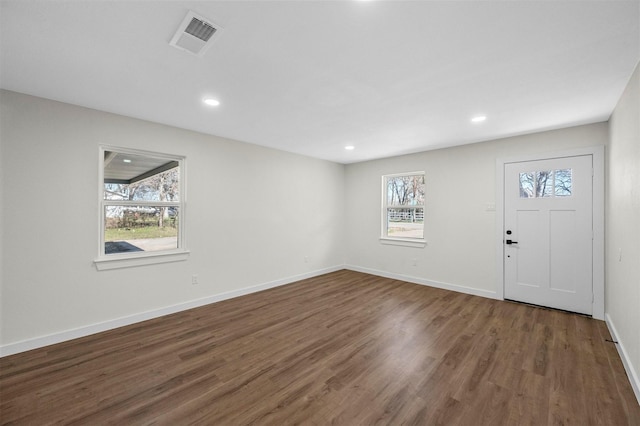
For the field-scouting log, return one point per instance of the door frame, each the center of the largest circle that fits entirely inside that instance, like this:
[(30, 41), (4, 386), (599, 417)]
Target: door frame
[(597, 153)]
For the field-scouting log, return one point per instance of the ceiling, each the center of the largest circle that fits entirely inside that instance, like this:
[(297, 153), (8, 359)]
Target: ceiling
[(310, 77)]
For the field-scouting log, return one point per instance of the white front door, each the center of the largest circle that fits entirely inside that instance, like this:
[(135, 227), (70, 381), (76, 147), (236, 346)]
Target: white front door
[(548, 237)]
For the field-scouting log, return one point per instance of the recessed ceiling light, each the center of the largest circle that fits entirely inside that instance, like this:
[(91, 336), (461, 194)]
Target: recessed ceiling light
[(211, 102), (349, 147), (479, 119), (126, 160)]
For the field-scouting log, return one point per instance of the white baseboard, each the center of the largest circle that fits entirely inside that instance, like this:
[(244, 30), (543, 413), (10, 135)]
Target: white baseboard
[(422, 281), (628, 366), (63, 336)]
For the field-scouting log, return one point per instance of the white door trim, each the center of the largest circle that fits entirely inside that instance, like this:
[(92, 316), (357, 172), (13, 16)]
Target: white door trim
[(598, 218)]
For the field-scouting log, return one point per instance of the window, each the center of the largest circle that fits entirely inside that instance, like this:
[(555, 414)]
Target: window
[(546, 184), (403, 206), (141, 208)]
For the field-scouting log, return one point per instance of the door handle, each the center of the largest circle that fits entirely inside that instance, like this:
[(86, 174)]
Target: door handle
[(511, 242)]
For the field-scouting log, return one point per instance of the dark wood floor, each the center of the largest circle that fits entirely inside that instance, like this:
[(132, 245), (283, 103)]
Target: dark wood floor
[(345, 348)]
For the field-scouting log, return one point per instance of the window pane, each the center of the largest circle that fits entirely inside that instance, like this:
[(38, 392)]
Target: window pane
[(405, 190), (405, 223), (544, 184), (140, 228), (139, 177), (527, 185), (563, 183)]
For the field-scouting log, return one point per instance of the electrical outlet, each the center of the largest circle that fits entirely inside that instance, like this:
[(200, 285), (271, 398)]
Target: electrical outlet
[(194, 279), (306, 259)]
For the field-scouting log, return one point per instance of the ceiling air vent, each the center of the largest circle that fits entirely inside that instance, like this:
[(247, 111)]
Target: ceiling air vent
[(195, 34)]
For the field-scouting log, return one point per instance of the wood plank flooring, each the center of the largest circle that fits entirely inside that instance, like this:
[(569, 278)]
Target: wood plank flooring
[(344, 348)]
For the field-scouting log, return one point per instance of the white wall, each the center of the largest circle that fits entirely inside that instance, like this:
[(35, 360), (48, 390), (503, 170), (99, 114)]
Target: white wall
[(622, 262), (460, 232), (49, 284), (2, 204), (253, 214)]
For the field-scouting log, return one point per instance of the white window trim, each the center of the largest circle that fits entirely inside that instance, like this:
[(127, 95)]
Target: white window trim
[(127, 260), (416, 242), (397, 241)]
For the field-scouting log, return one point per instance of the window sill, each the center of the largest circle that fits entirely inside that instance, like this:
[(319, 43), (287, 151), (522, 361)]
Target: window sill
[(418, 243), (129, 261)]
